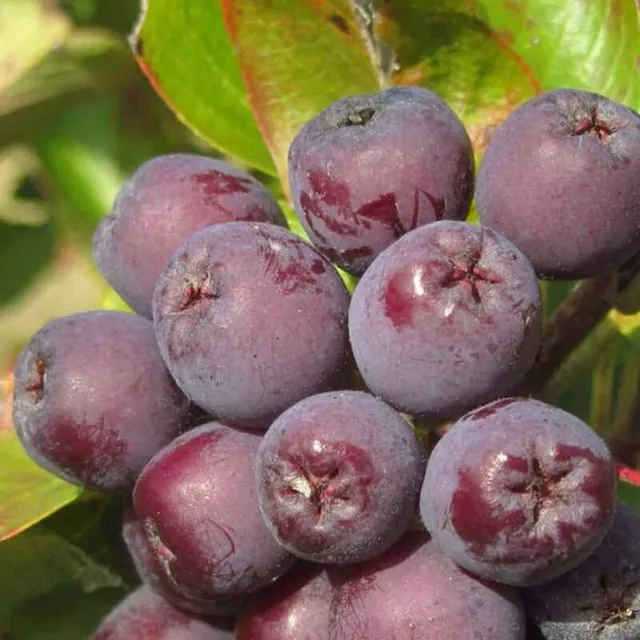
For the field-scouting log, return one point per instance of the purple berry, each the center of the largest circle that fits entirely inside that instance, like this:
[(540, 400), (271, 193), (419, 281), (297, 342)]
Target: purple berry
[(519, 492), (446, 318), (414, 591), (372, 167), (167, 200), (198, 505), (295, 607), (144, 615), (93, 400), (599, 599), (339, 476), (560, 180), (151, 570), (250, 319)]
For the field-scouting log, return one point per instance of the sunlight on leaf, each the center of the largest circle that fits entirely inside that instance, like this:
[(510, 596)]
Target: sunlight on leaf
[(591, 45), (297, 57), (27, 493), (441, 46), (29, 29), (185, 52), (66, 588)]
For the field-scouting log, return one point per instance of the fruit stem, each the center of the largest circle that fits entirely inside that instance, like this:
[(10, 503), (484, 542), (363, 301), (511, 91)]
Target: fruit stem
[(583, 358), (583, 309)]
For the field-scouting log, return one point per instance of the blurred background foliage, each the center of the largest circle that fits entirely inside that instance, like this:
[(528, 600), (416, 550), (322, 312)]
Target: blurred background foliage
[(85, 99)]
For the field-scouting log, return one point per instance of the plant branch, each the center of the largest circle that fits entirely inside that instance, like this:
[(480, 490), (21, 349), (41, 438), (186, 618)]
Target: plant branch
[(577, 316)]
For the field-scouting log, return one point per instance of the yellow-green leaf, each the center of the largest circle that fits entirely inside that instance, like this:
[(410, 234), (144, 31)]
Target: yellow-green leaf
[(297, 57), (185, 52), (27, 493), (592, 45), (29, 29)]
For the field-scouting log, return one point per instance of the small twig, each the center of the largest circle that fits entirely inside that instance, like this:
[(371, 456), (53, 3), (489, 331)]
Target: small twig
[(578, 315), (582, 359), (581, 311)]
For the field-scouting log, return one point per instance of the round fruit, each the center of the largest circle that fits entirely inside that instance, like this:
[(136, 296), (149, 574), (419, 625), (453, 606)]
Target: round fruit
[(250, 319), (93, 400), (198, 506), (560, 180), (339, 476), (445, 319), (144, 615), (372, 167), (166, 200), (414, 591), (519, 492)]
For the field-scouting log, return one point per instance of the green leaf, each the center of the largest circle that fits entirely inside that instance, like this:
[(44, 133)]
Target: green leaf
[(629, 494), (115, 16), (27, 493), (93, 524), (24, 251), (26, 233), (297, 57), (572, 43), (90, 63), (629, 326), (52, 589), (185, 52), (62, 613), (29, 29), (113, 302), (441, 46), (80, 153)]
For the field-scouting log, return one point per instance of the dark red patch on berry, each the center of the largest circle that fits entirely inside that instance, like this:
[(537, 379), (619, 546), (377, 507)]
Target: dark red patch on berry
[(476, 519), (481, 519), (288, 265), (89, 451), (317, 266), (331, 483), (347, 255), (215, 183), (411, 288), (383, 210), (597, 483), (328, 190), (401, 297)]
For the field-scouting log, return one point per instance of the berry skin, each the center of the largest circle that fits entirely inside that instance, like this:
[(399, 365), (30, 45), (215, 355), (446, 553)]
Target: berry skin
[(144, 615), (339, 476), (519, 492), (560, 180), (94, 401), (599, 599), (414, 591), (168, 199), (372, 167), (250, 319), (150, 569), (198, 505), (445, 319), (296, 607)]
